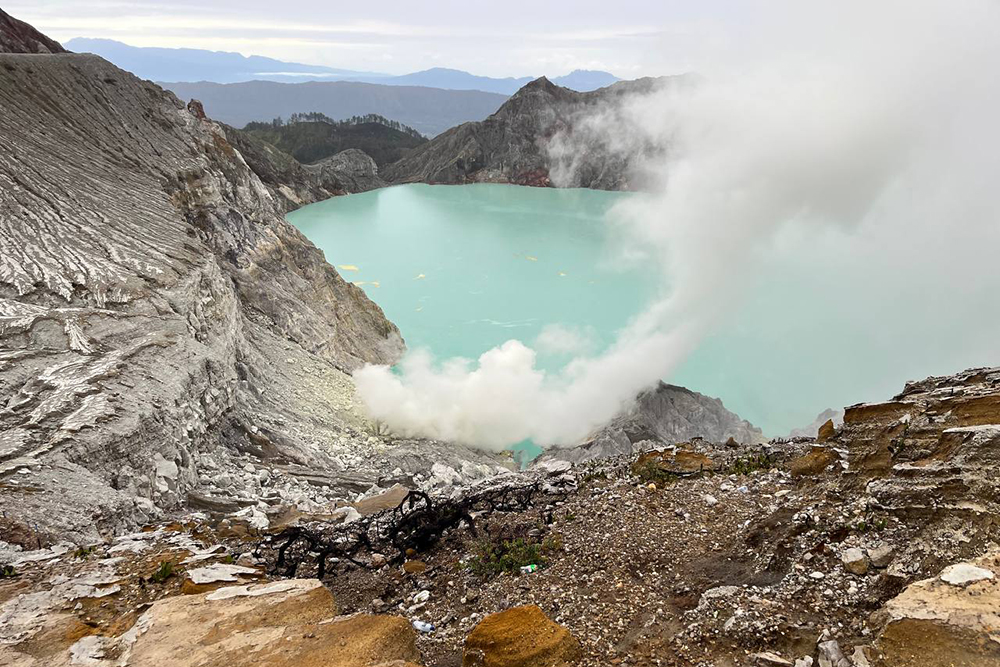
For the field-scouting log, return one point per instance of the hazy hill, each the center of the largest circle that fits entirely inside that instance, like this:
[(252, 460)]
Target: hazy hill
[(316, 137), (161, 64), (429, 110)]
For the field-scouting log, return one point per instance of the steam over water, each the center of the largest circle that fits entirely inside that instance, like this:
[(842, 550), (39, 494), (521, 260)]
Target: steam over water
[(828, 319)]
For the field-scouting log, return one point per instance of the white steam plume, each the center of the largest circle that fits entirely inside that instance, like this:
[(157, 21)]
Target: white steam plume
[(880, 115)]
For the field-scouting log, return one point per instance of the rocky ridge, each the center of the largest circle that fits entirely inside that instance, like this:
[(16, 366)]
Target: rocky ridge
[(512, 145), (293, 184), (19, 37)]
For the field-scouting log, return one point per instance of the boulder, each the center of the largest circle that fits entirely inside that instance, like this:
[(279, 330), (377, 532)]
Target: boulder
[(814, 462), (679, 462), (286, 623), (855, 561), (830, 655), (520, 637), (947, 621), (880, 555), (387, 500), (826, 431)]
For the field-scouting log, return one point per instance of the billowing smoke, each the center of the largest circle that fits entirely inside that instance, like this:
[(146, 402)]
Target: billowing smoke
[(873, 121)]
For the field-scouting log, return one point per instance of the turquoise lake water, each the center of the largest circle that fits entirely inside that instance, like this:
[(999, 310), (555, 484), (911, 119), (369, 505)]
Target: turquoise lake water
[(461, 269)]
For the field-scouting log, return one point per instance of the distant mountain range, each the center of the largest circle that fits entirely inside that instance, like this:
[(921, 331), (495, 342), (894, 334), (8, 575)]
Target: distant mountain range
[(428, 110), (192, 65), (159, 64), (454, 79)]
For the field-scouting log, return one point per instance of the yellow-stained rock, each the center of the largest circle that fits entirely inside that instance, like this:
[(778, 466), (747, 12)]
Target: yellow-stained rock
[(813, 463), (826, 431), (520, 637)]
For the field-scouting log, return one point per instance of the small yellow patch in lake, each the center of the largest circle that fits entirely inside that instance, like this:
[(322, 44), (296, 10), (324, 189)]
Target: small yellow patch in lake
[(530, 258), (347, 267), (562, 274), (420, 276), (373, 283)]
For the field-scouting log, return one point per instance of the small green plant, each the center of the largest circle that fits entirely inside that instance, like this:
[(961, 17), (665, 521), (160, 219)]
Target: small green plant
[(651, 472), (7, 571), (491, 558), (751, 463), (570, 517), (83, 552), (593, 477), (163, 572), (229, 559), (871, 523)]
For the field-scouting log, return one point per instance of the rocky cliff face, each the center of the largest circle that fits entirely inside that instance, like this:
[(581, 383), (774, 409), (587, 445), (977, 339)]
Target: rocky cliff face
[(511, 146), (662, 417), (293, 184), (166, 338)]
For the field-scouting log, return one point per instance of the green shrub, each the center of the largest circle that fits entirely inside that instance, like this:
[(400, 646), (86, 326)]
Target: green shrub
[(652, 472), (871, 523), (750, 463), (7, 571), (163, 572), (490, 558), (593, 477), (83, 552)]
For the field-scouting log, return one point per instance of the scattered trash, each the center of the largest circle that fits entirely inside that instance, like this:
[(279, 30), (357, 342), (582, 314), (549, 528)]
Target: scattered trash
[(423, 626), (528, 569)]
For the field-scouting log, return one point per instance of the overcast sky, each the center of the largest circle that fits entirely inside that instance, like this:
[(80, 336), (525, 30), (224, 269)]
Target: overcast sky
[(513, 38)]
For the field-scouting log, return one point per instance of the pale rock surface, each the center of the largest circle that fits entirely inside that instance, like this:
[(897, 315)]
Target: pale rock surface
[(948, 620)]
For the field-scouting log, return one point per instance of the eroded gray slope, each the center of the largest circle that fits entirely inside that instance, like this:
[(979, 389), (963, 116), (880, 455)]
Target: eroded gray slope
[(157, 315), (662, 416)]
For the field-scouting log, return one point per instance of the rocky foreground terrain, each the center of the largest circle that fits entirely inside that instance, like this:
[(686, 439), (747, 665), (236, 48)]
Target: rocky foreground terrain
[(187, 479), (872, 545)]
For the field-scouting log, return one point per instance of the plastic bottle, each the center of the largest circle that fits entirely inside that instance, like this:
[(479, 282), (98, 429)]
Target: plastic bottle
[(528, 569), (423, 626)]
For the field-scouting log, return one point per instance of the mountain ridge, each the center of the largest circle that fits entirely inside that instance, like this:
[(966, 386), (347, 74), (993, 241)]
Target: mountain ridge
[(202, 65), (511, 145), (429, 110)]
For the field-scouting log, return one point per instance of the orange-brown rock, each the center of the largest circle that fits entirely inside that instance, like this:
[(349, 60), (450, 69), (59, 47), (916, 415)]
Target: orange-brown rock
[(909, 428), (681, 461), (813, 463), (414, 566), (826, 431), (520, 637)]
